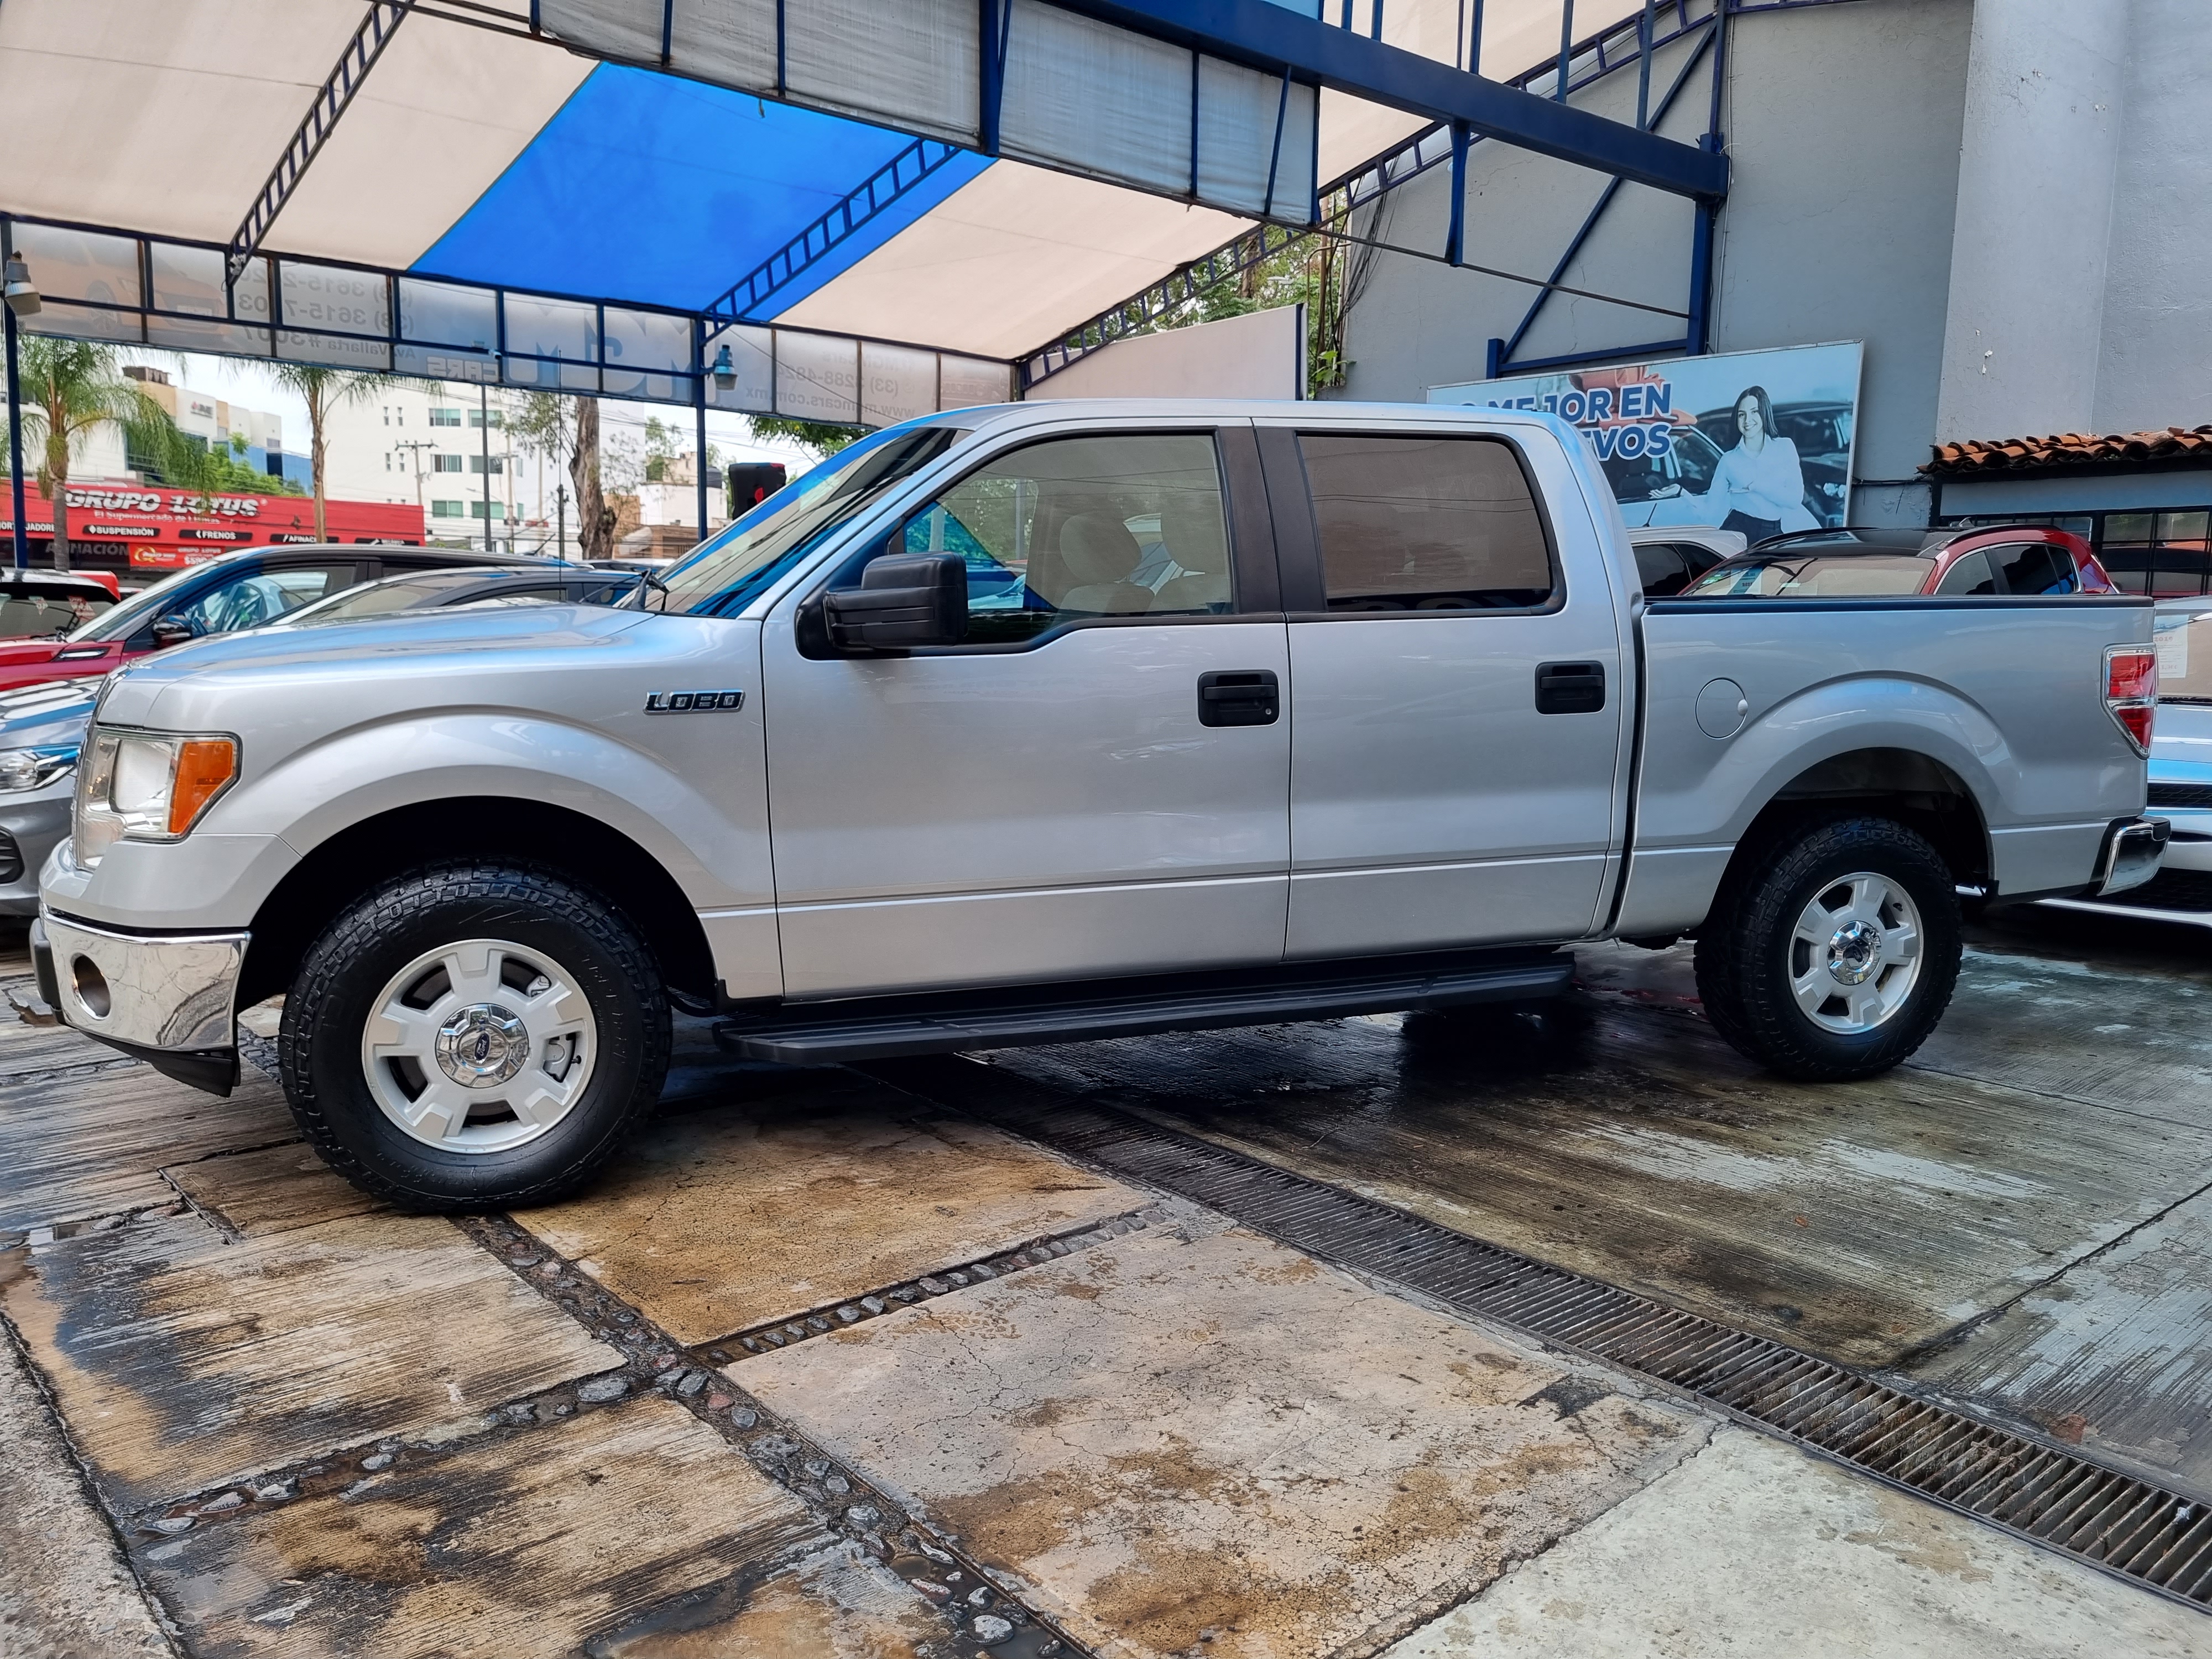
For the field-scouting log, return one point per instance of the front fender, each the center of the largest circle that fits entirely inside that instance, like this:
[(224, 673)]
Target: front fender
[(328, 787)]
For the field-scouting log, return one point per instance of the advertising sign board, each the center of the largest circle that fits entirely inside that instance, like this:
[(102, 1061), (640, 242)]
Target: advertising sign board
[(1759, 442), (117, 524)]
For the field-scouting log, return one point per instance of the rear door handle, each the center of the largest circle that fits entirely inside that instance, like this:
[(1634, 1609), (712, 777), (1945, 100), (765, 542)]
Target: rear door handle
[(1239, 696), (1569, 687)]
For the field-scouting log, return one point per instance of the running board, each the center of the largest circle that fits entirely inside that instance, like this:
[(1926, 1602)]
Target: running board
[(885, 1028)]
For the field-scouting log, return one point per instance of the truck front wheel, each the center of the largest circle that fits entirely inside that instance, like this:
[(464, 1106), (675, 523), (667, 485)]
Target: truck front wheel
[(1836, 952), (474, 1034)]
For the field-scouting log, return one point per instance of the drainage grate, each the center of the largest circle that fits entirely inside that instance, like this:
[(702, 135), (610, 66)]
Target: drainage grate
[(2144, 1533)]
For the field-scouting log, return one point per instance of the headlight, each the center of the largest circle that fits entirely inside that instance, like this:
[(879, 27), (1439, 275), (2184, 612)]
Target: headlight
[(34, 768), (147, 786)]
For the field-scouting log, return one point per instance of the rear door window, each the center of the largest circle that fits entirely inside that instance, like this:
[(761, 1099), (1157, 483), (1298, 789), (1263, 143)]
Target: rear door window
[(1970, 575), (2033, 568), (1421, 522)]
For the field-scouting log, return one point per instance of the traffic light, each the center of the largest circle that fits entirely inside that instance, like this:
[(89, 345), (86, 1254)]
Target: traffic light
[(752, 483)]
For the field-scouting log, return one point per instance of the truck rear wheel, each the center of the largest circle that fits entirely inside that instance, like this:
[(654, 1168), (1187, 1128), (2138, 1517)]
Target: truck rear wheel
[(474, 1034), (1837, 953)]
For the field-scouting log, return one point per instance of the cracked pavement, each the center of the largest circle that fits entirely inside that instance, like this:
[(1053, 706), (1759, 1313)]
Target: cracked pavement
[(998, 1401)]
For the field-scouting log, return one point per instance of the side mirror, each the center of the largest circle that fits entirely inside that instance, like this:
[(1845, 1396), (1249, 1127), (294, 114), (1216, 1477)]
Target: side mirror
[(900, 603), (171, 630)]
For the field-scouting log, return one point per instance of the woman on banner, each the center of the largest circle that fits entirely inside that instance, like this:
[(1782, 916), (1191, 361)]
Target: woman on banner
[(1759, 483)]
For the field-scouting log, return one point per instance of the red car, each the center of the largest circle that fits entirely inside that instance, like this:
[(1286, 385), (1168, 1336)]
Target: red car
[(1872, 563), (64, 626)]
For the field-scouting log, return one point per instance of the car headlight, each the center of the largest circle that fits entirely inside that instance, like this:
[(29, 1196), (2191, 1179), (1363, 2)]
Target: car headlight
[(34, 768), (146, 785)]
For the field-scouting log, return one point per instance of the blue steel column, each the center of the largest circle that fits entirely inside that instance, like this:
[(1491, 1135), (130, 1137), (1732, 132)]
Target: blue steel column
[(1699, 331), (991, 39), (699, 398), (1455, 237), (15, 444)]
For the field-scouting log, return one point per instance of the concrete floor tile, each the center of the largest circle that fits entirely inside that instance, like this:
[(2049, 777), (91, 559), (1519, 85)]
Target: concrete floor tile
[(179, 1360), (1185, 1436), (2111, 1355), (714, 1222), (91, 1146), (1752, 1549), (633, 1531), (1859, 1220), (275, 1190)]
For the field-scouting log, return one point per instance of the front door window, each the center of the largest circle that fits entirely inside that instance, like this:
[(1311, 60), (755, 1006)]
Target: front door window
[(1081, 528)]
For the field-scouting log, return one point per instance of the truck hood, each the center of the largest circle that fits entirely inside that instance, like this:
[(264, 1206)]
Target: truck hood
[(432, 646)]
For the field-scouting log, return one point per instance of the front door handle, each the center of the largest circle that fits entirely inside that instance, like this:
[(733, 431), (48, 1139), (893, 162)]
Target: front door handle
[(1239, 696), (1569, 687)]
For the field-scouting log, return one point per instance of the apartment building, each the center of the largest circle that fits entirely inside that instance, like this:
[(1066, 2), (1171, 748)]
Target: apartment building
[(443, 445)]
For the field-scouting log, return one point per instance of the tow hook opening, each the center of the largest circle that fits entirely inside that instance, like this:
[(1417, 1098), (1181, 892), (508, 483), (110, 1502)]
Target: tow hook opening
[(91, 986)]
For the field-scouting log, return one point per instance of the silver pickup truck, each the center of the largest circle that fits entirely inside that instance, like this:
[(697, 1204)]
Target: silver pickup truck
[(1061, 721)]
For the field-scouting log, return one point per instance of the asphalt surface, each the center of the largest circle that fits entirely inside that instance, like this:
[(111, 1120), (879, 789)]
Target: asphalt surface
[(854, 1364)]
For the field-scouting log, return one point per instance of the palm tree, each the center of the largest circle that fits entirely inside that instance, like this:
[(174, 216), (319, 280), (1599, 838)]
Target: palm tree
[(71, 388), (322, 390)]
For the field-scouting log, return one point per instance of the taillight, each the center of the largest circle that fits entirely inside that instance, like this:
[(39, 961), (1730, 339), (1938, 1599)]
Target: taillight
[(2131, 691)]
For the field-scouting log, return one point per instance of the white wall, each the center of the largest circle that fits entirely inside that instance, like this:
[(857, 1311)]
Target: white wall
[(380, 449), (2156, 337), (2046, 80), (1259, 355)]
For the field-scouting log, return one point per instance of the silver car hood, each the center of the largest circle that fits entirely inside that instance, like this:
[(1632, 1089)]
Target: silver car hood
[(428, 645)]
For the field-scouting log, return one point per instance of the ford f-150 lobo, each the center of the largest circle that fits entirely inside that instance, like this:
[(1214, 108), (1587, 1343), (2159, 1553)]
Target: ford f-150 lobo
[(911, 759)]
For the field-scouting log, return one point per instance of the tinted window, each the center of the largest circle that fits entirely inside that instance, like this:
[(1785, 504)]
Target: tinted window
[(1660, 569), (1970, 575), (1420, 523), (1125, 525), (2033, 568)]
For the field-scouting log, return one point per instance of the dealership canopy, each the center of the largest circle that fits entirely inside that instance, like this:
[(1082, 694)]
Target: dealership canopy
[(877, 207)]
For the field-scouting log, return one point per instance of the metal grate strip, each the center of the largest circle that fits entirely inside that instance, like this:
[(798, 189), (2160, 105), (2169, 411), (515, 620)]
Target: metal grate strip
[(2146, 1533)]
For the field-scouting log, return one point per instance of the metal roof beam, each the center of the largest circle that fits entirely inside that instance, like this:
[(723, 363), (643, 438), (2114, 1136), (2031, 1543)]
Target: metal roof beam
[(1268, 37), (330, 101)]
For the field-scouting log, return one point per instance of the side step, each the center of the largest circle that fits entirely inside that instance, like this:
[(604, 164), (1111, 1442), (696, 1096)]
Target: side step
[(888, 1027)]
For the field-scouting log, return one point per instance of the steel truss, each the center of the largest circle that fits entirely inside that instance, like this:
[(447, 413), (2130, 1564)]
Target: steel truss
[(330, 101), (1633, 42)]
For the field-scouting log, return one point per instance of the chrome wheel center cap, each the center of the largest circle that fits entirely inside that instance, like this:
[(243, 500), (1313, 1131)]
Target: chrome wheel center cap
[(481, 1045), (1854, 951)]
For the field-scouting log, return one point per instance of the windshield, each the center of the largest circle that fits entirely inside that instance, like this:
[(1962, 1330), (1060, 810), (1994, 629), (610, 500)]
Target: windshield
[(31, 610), (1864, 576), (725, 574)]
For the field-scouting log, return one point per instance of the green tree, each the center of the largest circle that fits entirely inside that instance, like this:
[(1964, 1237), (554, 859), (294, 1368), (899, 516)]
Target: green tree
[(817, 438), (322, 390), (71, 388)]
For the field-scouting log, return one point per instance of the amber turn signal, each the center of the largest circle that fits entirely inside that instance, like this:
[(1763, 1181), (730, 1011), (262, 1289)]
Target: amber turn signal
[(205, 767)]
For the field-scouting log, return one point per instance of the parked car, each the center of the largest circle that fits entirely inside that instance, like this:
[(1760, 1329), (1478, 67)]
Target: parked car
[(231, 591), (1668, 560), (435, 590), (42, 724), (42, 604), (2180, 775), (1867, 562), (1400, 730)]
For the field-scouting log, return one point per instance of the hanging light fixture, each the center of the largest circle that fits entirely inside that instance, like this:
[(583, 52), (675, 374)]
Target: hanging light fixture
[(21, 295), (725, 371)]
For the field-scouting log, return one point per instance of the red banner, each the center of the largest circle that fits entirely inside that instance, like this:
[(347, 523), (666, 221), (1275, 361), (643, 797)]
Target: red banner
[(167, 529)]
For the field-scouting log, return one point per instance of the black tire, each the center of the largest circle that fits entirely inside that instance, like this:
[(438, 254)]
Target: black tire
[(345, 970), (1744, 949)]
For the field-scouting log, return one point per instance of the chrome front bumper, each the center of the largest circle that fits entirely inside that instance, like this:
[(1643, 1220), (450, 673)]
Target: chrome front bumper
[(165, 999)]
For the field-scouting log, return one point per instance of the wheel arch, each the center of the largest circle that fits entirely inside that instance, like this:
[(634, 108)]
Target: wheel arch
[(1913, 787), (593, 854)]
